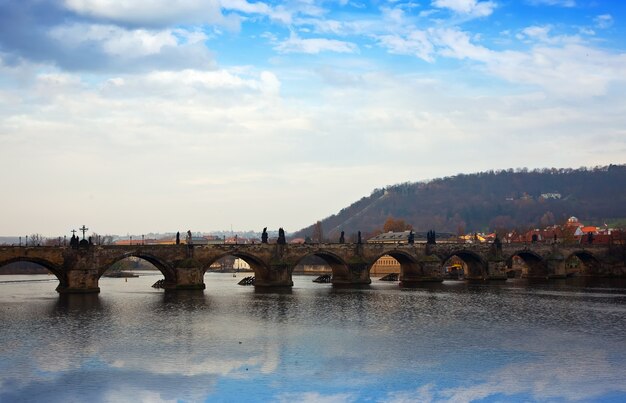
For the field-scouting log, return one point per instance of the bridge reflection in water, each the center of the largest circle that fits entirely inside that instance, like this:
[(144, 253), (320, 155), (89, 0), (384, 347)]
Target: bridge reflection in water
[(183, 266)]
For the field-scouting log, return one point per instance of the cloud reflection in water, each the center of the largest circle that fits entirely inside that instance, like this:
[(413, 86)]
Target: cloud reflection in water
[(311, 344)]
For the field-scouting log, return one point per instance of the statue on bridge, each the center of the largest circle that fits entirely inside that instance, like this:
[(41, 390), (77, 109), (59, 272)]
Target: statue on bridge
[(74, 241), (431, 237), (342, 238), (358, 238), (264, 235), (281, 237), (178, 238), (497, 245), (497, 242), (411, 239)]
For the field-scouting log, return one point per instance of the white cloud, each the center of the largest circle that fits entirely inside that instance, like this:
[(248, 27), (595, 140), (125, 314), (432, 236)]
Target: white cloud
[(295, 44), (561, 377), (586, 31), (197, 133), (474, 8), (560, 65), (305, 7), (279, 13), (154, 12), (283, 13), (603, 21), (567, 70), (560, 3), (329, 26), (323, 26), (347, 124), (115, 40), (245, 7), (316, 397), (424, 394), (393, 16), (116, 48), (536, 32), (417, 43), (457, 44)]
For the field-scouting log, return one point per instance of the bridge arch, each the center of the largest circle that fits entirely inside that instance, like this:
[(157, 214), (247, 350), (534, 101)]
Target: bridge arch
[(409, 265), (259, 267), (51, 267), (475, 267), (532, 264), (339, 266), (591, 265), (167, 271)]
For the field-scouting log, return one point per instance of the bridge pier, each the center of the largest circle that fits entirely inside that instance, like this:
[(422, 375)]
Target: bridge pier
[(556, 267), (278, 275), (188, 278), (426, 270), (616, 269), (81, 273), (496, 270), (356, 273), (80, 281)]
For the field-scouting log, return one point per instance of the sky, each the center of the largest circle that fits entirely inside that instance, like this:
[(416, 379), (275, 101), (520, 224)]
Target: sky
[(153, 116)]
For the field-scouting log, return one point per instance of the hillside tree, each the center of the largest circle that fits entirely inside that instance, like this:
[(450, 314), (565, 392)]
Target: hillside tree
[(396, 225), (318, 232)]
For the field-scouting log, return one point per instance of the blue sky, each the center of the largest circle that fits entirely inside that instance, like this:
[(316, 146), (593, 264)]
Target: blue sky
[(153, 115)]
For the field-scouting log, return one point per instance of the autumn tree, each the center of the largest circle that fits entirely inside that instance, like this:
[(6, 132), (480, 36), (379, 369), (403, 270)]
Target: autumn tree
[(501, 224), (394, 225)]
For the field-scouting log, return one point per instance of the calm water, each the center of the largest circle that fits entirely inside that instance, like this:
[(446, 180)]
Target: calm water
[(558, 341)]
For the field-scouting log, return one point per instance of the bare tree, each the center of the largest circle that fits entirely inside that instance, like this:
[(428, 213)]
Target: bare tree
[(52, 241), (101, 239), (36, 240), (318, 233)]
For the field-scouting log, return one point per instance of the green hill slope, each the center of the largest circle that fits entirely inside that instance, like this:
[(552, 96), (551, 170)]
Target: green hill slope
[(488, 201)]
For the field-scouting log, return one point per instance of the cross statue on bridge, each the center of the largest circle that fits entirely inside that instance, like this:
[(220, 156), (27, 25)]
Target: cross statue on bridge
[(83, 229), (73, 232)]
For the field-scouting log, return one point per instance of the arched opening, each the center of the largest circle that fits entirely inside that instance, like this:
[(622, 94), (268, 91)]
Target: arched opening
[(313, 265), (237, 262), (465, 264), (229, 264), (322, 262), (407, 267), (454, 268), (527, 264), (582, 263), (133, 265), (25, 269), (384, 266)]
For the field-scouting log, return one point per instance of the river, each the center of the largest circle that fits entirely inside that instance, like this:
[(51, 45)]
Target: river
[(511, 341)]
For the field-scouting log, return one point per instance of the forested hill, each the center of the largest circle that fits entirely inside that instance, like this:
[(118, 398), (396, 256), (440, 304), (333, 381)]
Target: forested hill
[(486, 201)]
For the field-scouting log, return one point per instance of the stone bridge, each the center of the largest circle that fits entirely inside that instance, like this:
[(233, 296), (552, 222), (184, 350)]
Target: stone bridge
[(183, 266)]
